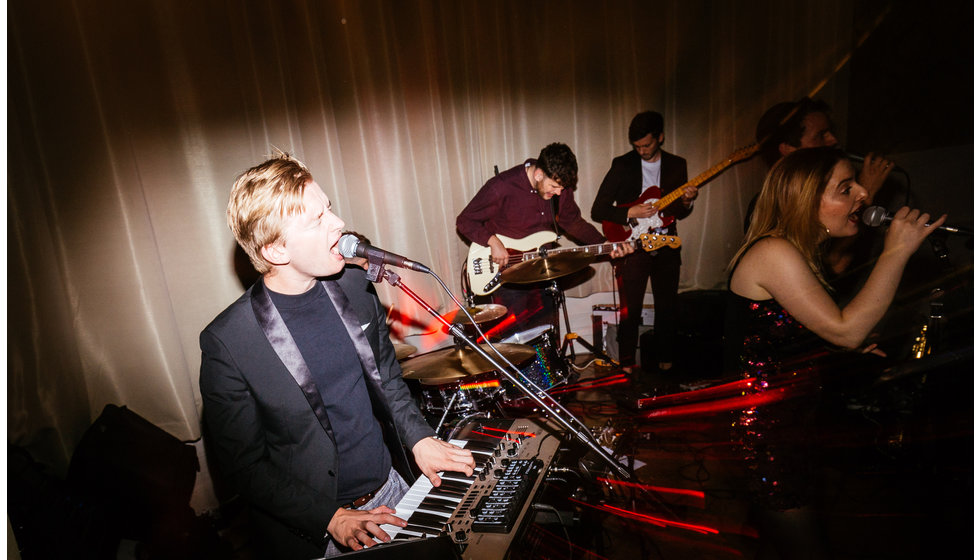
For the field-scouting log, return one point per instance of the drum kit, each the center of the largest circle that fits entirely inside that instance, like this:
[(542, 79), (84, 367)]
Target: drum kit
[(457, 383)]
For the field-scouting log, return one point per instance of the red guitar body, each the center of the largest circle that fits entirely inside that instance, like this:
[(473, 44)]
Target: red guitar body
[(653, 195), (620, 232)]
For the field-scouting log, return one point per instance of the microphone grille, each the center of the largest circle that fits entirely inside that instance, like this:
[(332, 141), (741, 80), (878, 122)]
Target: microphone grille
[(874, 216), (347, 245)]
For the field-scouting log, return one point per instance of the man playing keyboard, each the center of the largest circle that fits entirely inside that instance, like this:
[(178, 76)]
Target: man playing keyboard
[(305, 410)]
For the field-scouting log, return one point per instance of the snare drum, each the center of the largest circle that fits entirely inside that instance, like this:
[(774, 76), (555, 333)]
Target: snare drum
[(548, 369)]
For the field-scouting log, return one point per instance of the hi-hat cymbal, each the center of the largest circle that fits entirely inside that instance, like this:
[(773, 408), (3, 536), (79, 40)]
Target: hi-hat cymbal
[(481, 314), (403, 351), (546, 268), (451, 364)]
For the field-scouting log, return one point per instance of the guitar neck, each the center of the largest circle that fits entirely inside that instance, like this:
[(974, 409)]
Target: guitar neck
[(673, 195), (598, 249)]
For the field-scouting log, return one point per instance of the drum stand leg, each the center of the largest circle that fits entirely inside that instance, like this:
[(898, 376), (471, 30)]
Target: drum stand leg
[(452, 403), (567, 343)]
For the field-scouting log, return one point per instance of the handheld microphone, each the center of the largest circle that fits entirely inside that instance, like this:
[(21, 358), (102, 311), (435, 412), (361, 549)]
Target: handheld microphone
[(350, 246), (875, 216)]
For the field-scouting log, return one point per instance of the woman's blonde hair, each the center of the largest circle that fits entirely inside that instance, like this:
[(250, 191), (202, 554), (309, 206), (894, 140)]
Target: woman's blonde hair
[(789, 204), (261, 200)]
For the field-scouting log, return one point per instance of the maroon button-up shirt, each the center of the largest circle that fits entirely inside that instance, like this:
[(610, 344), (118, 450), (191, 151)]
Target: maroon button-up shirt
[(508, 205)]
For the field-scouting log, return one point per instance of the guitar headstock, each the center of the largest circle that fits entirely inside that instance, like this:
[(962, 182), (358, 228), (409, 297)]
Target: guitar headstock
[(652, 242), (744, 153)]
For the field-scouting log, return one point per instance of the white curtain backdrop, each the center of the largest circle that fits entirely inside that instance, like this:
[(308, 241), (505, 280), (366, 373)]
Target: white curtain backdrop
[(129, 121)]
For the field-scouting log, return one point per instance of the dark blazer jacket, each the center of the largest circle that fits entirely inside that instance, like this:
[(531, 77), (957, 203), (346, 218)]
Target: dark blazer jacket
[(265, 424), (623, 184)]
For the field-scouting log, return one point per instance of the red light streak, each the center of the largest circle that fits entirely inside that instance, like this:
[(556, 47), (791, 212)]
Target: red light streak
[(783, 389), (731, 388), (660, 489), (504, 323), (722, 405), (505, 433), (588, 385), (479, 385), (658, 521)]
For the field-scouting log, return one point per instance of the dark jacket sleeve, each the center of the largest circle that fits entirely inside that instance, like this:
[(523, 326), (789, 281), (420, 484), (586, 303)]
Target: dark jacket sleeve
[(617, 188), (240, 438)]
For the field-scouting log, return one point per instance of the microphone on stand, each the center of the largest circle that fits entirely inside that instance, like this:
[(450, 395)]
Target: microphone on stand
[(860, 159), (875, 216), (350, 246)]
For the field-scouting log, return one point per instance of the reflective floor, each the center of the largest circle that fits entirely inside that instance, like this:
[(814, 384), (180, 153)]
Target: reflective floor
[(894, 472)]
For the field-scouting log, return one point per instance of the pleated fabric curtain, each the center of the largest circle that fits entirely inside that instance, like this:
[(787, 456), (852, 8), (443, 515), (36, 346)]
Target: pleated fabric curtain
[(129, 121)]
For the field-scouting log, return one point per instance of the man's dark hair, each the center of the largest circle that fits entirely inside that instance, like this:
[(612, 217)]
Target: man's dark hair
[(783, 122), (559, 164), (647, 122)]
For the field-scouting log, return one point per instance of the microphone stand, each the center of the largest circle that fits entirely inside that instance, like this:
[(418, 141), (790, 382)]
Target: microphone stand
[(377, 270)]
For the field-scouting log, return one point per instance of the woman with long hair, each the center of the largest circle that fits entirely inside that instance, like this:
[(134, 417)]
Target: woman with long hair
[(781, 315)]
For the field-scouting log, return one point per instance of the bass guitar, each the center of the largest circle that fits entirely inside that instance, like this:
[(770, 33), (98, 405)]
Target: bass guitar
[(485, 276), (653, 195)]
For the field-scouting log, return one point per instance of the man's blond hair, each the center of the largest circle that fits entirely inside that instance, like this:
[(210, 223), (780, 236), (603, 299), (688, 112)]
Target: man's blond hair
[(261, 200)]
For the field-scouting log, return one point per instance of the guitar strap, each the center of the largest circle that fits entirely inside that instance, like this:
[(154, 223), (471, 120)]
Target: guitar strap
[(554, 216)]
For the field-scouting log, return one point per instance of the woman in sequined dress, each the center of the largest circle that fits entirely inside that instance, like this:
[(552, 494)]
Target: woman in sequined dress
[(781, 316)]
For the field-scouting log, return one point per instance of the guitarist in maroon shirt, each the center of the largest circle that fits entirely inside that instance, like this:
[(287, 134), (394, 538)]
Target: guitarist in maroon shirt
[(537, 195), (649, 173)]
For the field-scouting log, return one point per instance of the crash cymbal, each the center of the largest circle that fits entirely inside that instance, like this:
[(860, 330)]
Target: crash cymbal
[(481, 314), (451, 364), (403, 351), (547, 268)]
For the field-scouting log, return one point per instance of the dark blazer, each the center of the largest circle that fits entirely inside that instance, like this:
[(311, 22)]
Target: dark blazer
[(265, 424), (623, 184)]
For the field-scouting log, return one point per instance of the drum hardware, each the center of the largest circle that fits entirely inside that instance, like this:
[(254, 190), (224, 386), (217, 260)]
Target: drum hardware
[(567, 344), (403, 351), (480, 313), (457, 381), (929, 337), (477, 358), (546, 268), (452, 364), (930, 333)]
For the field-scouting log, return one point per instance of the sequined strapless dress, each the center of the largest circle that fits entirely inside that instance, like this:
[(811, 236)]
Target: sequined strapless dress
[(774, 433)]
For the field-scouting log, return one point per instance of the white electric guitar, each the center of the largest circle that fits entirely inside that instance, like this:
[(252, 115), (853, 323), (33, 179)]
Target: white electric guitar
[(485, 276)]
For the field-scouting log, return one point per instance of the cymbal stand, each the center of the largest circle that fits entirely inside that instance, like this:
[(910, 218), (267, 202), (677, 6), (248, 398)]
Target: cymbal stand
[(464, 281), (570, 337), (445, 413), (930, 335)]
